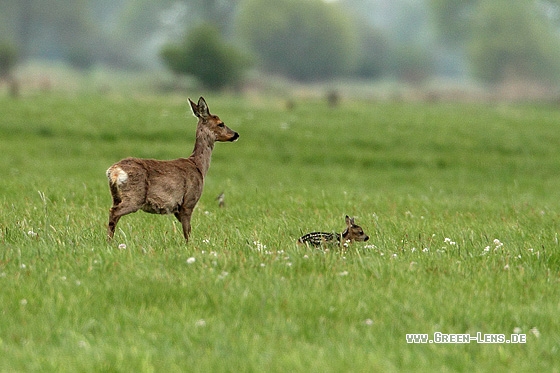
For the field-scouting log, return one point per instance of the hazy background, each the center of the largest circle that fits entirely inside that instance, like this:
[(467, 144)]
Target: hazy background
[(453, 49)]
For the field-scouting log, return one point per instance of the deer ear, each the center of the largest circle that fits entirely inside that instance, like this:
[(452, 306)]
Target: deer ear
[(194, 108), (200, 110), (203, 108), (348, 220)]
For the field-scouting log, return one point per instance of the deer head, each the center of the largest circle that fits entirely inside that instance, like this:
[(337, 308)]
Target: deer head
[(353, 232), (212, 124)]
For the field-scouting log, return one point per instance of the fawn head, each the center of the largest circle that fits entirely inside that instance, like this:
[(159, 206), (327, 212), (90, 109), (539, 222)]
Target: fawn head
[(213, 123), (353, 232)]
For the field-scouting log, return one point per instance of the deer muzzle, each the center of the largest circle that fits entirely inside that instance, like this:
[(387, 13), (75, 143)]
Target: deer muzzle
[(234, 138)]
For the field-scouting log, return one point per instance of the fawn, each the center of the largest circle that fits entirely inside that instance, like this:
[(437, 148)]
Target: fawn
[(352, 233), (167, 187)]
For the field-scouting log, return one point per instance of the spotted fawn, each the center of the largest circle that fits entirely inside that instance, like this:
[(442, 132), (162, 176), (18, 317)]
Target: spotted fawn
[(167, 187), (352, 233)]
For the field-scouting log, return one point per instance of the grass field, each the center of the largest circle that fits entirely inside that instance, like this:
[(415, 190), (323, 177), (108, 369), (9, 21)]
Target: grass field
[(462, 204)]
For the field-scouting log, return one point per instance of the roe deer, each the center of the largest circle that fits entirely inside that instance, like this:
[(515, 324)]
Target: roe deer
[(352, 233), (167, 187)]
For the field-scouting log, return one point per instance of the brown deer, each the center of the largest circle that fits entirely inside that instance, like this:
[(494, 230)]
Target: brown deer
[(167, 187), (352, 233)]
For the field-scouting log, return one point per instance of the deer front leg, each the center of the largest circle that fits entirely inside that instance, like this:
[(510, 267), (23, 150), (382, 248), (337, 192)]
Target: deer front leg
[(184, 216)]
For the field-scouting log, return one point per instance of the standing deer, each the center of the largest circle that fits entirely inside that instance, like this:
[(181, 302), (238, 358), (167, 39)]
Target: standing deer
[(167, 187), (352, 233)]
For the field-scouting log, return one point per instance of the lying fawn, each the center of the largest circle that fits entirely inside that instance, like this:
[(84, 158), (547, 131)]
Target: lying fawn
[(167, 187), (352, 233)]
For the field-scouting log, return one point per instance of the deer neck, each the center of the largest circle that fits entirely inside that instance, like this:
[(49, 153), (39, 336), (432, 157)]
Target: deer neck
[(202, 152)]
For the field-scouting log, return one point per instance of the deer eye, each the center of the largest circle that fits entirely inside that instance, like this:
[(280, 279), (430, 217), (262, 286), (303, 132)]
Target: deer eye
[(221, 125)]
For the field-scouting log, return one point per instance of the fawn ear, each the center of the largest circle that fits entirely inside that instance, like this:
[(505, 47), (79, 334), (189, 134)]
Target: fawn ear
[(200, 110), (349, 221)]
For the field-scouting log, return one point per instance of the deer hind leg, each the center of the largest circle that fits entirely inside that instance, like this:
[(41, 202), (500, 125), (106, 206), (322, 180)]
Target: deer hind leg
[(184, 216), (115, 213)]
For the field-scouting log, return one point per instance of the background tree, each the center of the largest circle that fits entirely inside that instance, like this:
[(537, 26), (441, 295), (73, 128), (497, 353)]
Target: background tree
[(205, 55), (8, 60), (304, 40), (501, 39), (373, 54), (512, 40), (452, 20)]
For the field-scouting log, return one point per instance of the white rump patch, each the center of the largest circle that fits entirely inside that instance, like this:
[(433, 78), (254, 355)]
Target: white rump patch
[(117, 175)]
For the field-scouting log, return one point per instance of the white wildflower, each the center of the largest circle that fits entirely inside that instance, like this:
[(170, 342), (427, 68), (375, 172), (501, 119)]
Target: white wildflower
[(191, 260), (259, 246), (497, 243), (223, 275), (448, 241)]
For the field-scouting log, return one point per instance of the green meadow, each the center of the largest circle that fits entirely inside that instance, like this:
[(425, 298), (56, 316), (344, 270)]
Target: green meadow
[(461, 203)]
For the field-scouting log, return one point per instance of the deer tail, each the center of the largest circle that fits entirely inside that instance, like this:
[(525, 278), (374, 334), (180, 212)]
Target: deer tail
[(117, 177)]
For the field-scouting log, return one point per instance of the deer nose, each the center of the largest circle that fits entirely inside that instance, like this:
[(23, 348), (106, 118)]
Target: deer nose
[(367, 238), (235, 137)]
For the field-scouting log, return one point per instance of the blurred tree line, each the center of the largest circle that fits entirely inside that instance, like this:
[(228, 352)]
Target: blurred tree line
[(311, 40), (502, 39)]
